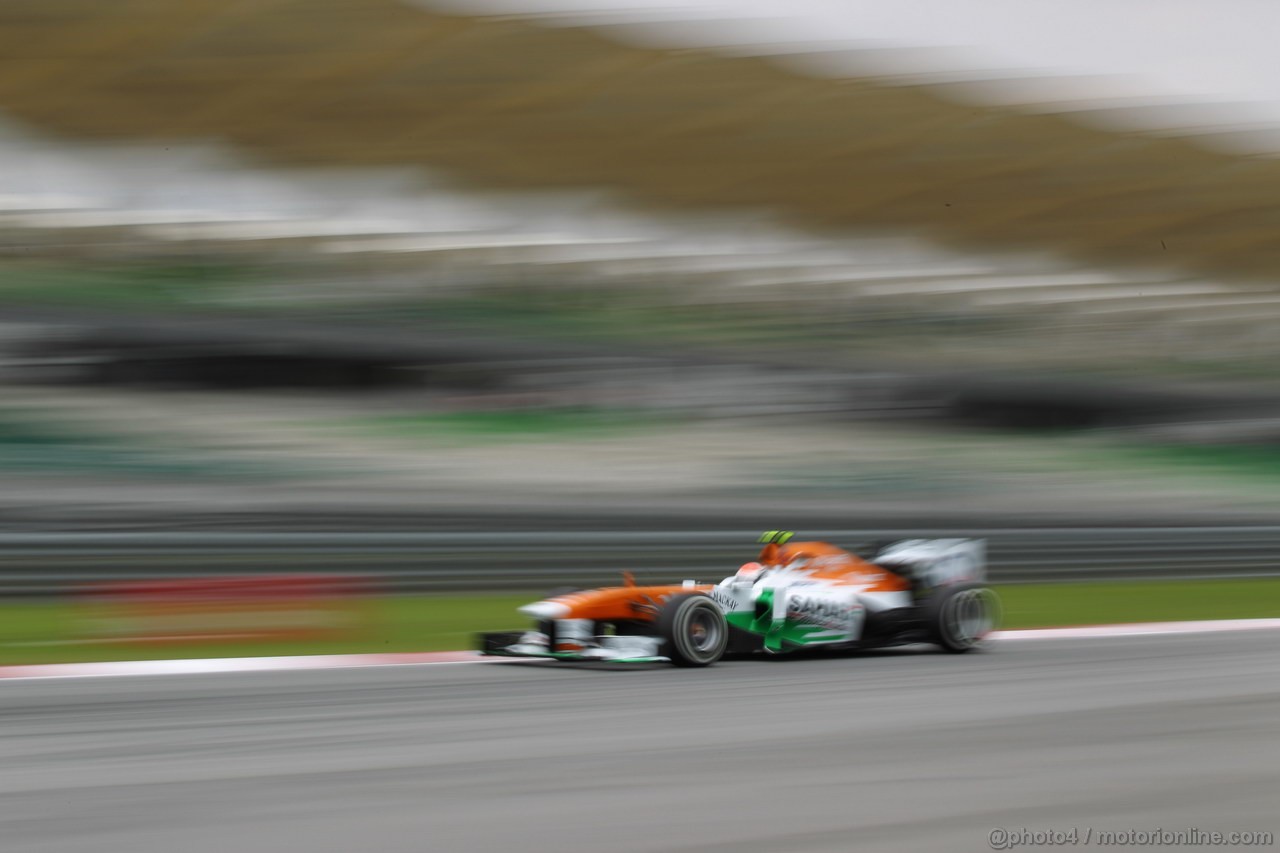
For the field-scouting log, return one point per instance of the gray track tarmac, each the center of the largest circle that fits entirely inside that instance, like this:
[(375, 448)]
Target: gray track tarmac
[(902, 750)]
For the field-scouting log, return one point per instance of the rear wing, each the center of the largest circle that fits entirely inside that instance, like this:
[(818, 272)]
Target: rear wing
[(937, 562)]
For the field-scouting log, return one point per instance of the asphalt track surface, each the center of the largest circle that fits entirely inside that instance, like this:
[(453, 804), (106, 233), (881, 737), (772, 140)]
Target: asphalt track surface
[(902, 750)]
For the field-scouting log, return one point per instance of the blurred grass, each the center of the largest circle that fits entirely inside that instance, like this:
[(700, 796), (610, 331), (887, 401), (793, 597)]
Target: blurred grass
[(546, 311), (129, 285), (638, 317), (46, 631), (448, 621), (636, 314), (1250, 460), (1049, 605), (30, 443)]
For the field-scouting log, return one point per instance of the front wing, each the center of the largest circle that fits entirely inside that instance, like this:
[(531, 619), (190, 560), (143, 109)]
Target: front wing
[(533, 644)]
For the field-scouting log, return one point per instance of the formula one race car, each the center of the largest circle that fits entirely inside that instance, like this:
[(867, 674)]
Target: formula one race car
[(798, 595)]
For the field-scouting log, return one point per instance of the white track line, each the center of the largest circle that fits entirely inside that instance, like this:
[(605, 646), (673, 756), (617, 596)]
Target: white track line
[(1140, 629), (199, 666)]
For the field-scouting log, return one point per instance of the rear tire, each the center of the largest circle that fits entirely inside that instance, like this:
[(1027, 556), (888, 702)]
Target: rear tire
[(959, 619), (693, 630)]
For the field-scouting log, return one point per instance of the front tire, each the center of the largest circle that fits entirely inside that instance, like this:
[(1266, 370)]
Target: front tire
[(961, 618), (694, 630)]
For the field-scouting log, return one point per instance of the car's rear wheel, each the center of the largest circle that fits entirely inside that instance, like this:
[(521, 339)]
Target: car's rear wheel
[(961, 618), (693, 630)]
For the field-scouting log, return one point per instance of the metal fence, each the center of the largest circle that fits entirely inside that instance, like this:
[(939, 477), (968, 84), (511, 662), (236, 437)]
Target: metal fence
[(51, 564)]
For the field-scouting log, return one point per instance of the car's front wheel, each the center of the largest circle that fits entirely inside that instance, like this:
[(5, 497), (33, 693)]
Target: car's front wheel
[(961, 618), (693, 630)]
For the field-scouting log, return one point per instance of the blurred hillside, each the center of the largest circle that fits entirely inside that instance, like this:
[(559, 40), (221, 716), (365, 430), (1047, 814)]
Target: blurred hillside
[(508, 103)]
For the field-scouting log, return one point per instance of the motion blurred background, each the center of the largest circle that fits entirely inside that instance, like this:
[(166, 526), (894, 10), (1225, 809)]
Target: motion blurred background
[(372, 266)]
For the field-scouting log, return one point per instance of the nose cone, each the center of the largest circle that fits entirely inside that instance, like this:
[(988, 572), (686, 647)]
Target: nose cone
[(544, 610)]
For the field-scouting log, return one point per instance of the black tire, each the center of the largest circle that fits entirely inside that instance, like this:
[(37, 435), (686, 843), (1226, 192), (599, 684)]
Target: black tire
[(693, 630), (959, 618)]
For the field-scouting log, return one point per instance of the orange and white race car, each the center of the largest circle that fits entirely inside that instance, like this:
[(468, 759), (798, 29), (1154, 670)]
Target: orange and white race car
[(795, 596)]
